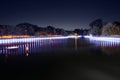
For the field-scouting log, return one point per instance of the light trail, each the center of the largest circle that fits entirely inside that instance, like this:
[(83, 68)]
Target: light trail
[(21, 40), (108, 39)]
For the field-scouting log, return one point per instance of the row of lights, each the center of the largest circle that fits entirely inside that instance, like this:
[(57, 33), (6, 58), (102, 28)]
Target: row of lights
[(20, 40)]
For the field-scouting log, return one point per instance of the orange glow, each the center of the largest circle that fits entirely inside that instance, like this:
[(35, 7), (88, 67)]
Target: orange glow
[(27, 48), (76, 34), (14, 36), (27, 54)]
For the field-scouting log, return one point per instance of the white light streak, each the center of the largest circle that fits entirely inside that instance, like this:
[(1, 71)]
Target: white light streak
[(12, 47), (21, 40), (108, 39)]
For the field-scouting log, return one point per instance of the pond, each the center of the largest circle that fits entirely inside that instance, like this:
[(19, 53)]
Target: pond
[(61, 59)]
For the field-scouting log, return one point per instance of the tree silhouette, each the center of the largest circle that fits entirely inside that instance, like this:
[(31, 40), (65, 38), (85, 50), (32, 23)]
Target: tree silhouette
[(96, 27)]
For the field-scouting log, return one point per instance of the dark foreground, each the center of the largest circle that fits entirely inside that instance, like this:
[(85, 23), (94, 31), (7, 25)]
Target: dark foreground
[(85, 63)]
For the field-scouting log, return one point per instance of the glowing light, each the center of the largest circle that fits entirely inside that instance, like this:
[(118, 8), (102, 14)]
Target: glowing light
[(13, 36), (12, 47), (27, 48), (20, 40), (27, 54), (108, 39)]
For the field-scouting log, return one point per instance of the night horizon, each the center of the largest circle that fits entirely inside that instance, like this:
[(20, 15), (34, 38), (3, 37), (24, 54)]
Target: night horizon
[(66, 14)]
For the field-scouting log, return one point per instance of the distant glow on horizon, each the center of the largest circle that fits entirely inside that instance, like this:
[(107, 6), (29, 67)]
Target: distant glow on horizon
[(21, 40)]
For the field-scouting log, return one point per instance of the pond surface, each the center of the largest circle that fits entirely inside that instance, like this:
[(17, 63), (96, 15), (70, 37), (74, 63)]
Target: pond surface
[(61, 59)]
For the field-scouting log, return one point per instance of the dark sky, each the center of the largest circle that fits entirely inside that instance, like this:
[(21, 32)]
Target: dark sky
[(67, 14)]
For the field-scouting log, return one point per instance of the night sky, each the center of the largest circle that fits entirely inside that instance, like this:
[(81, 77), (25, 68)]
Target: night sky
[(66, 14)]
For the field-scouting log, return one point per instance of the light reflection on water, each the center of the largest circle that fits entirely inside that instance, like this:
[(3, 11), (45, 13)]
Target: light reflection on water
[(59, 44), (107, 47), (105, 43), (33, 47)]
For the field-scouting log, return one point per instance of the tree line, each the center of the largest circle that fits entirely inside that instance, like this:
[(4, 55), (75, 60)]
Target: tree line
[(97, 28), (100, 28), (34, 30)]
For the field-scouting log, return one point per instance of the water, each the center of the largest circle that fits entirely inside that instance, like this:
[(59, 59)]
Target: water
[(61, 59)]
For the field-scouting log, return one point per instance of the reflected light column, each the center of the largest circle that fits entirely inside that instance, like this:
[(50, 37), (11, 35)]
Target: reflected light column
[(76, 41), (27, 48)]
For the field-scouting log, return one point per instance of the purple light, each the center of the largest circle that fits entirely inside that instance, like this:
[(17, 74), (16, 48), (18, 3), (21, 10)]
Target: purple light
[(13, 40)]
